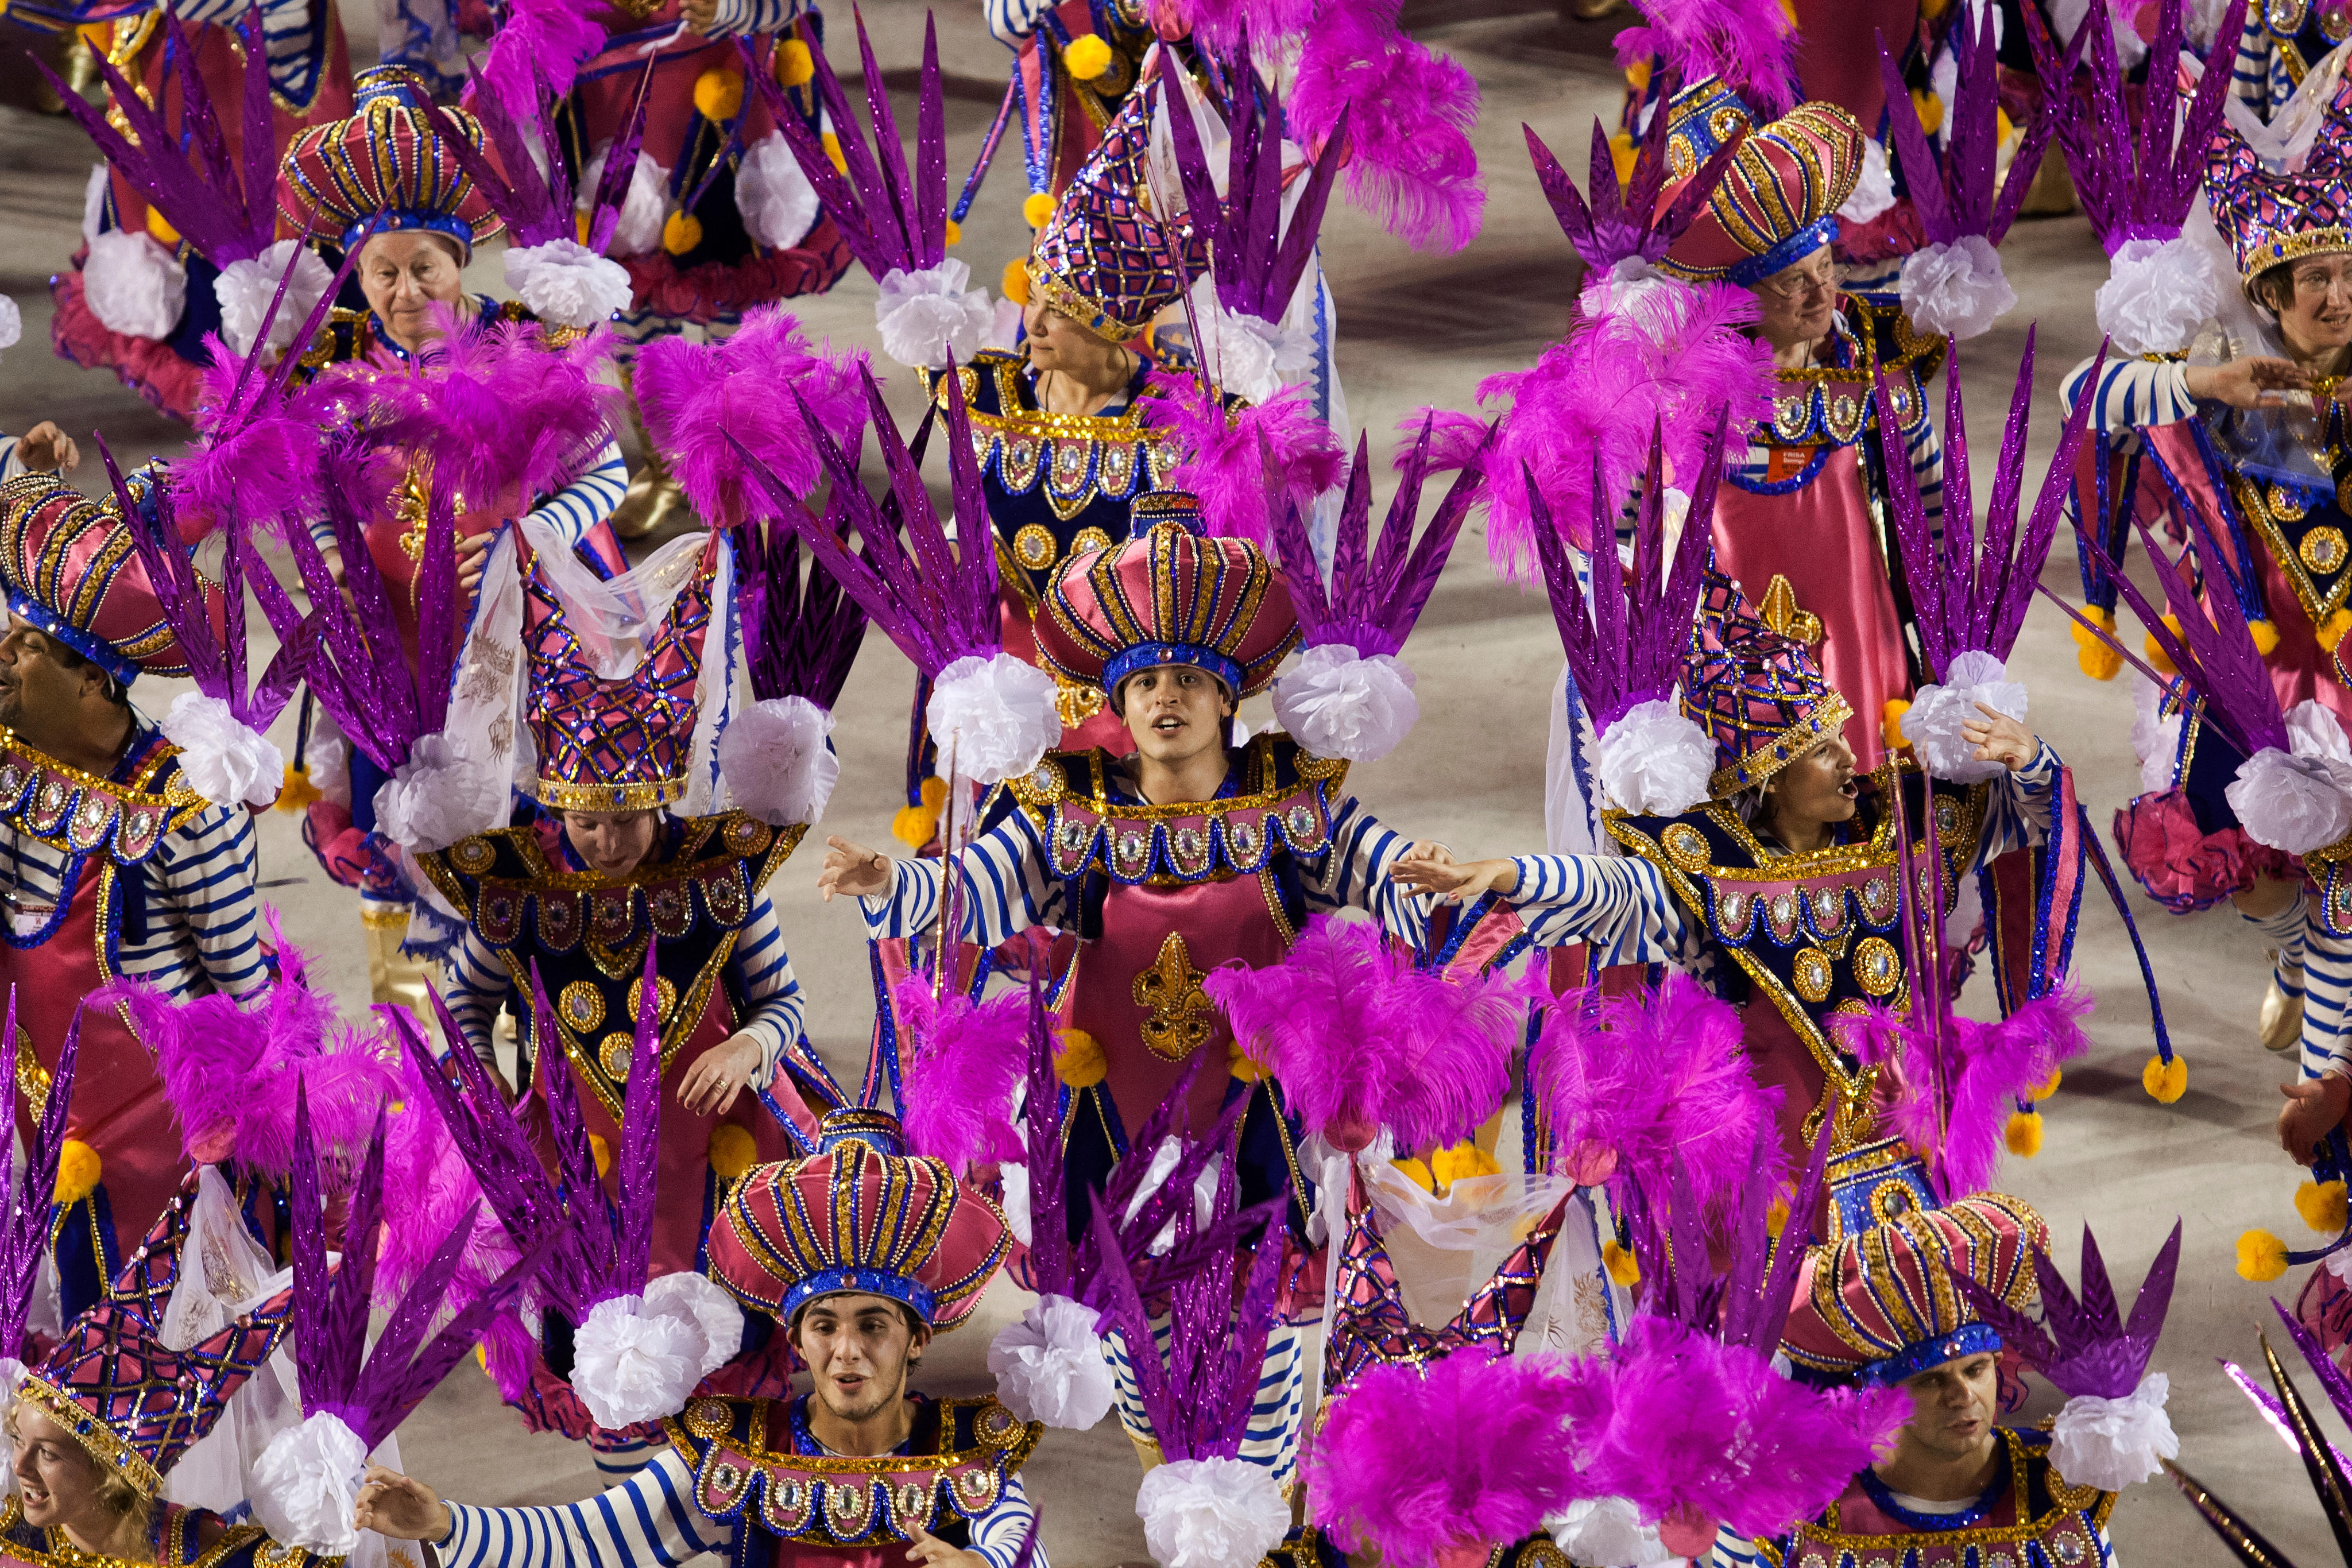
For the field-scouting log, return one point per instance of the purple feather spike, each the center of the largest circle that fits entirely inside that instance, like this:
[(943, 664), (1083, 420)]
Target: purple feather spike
[(2085, 1346), (2135, 178), (800, 634), (227, 213), (640, 1141), (890, 221), (1622, 224), (936, 605), (1256, 263), (1375, 595), (25, 1236), (1628, 648), (1956, 198), (1050, 1261), (1966, 598)]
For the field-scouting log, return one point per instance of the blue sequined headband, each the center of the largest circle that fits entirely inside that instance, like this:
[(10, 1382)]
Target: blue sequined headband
[(1821, 231), (392, 222), (1152, 656), (96, 649)]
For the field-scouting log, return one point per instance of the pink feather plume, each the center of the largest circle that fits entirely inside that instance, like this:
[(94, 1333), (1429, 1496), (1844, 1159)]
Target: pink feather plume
[(1455, 439), (229, 1072), (427, 1187), (556, 37), (266, 469), (1360, 1038), (695, 395), (1240, 464), (959, 1062), (1637, 1080), (1751, 44), (1410, 114), (1985, 1068), (1471, 1453), (1698, 1432), (1220, 27)]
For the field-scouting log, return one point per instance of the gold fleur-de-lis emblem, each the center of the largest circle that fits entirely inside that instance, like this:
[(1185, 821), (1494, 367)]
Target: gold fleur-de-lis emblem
[(1182, 1020), (1782, 613)]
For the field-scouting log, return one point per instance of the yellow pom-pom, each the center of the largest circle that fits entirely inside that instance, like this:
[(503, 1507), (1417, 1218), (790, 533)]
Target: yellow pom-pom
[(2050, 1086), (602, 1152), (1240, 1064), (2159, 660), (915, 826), (934, 793), (719, 93), (681, 232), (482, 1356), (833, 152), (1418, 1172), (2165, 1081), (1078, 1059), (2098, 661), (2321, 1206), (1086, 55), (161, 229), (295, 791), (2261, 1257), (1637, 75), (2331, 630), (1014, 284), (731, 1151), (78, 1169), (794, 64), (955, 231), (1621, 156), (2265, 633), (1776, 1218), (2022, 1136), (580, 224), (1038, 210), (1622, 1266), (1930, 108), (1890, 722), (1465, 1158), (2003, 127)]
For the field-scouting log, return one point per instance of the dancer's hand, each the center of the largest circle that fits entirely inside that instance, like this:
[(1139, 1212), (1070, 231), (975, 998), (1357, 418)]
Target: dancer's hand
[(701, 15), (719, 1074), (473, 554), (44, 449), (934, 1553), (2259, 382), (2311, 1112), (1999, 739), (853, 869), (401, 1507), (1432, 869)]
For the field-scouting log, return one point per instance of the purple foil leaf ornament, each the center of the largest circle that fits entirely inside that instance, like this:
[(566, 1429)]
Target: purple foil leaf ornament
[(25, 1235), (2085, 1345), (1956, 197), (1256, 263), (800, 633), (1617, 224)]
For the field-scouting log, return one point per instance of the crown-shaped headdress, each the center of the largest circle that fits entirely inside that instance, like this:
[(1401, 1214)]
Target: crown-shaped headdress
[(383, 166), (1106, 259), (72, 568), (1778, 203), (2273, 218), (1758, 696)]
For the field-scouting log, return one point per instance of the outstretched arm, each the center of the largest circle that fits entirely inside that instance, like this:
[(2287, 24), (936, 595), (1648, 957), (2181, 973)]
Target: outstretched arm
[(1617, 903), (1006, 887), (2017, 807), (650, 1520)]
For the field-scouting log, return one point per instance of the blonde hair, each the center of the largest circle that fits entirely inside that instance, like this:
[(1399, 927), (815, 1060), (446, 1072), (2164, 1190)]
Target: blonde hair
[(113, 1492)]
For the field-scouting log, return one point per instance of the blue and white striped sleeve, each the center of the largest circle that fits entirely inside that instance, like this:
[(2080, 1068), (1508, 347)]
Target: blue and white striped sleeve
[(1006, 888), (289, 32), (650, 1520), (1925, 450), (1353, 874), (773, 1002), (743, 18), (475, 989), (998, 1535), (1012, 21), (1619, 903), (2131, 392), (2017, 808), (2326, 999), (588, 499), (203, 931)]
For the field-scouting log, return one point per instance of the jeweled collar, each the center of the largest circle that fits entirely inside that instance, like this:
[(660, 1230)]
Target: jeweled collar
[(125, 814), (1829, 405)]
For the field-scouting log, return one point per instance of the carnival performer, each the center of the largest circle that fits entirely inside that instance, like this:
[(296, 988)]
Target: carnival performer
[(1787, 807), (1796, 529), (383, 174), (118, 867), (862, 1253), (139, 297)]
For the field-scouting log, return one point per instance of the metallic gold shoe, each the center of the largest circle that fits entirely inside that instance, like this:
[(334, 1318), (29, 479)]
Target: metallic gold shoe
[(2281, 1026), (652, 501)]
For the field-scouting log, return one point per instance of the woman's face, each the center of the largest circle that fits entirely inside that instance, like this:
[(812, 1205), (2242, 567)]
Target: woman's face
[(2314, 306), (1817, 787), (1057, 343), (56, 1476), (404, 275), (611, 842)]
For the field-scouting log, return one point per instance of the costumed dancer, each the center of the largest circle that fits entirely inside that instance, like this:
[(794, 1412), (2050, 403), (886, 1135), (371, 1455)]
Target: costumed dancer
[(122, 865), (154, 277), (2228, 410), (861, 1253), (383, 180)]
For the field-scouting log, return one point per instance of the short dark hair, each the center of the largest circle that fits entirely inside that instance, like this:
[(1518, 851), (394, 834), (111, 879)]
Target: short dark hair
[(915, 1323), (2273, 286)]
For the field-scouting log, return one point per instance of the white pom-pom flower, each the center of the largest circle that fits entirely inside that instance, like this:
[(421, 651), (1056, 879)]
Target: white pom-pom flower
[(993, 717), (1050, 1364), (773, 756), (565, 283), (2156, 738), (1607, 1532), (1256, 359), (1212, 1513), (1016, 1201), (1932, 724), (628, 1365), (1874, 191), (2111, 1443), (133, 284), (2157, 293), (1956, 289), (1338, 704), (1634, 289), (245, 290), (928, 315), (2297, 804), (307, 1482), (697, 1296), (12, 323), (642, 209), (438, 797), (778, 203), (222, 759), (1654, 761)]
